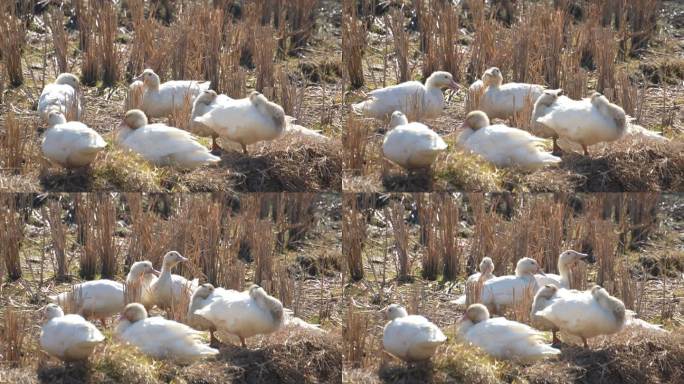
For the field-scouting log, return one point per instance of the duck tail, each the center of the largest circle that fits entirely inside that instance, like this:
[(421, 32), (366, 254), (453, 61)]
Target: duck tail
[(359, 108), (612, 304), (461, 300), (269, 303)]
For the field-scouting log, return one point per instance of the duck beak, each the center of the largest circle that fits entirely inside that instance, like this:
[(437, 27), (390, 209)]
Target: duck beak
[(454, 85), (139, 77), (540, 271), (587, 258)]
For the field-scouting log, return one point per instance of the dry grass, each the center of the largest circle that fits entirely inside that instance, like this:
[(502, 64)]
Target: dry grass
[(11, 235), (13, 32), (353, 43), (545, 45)]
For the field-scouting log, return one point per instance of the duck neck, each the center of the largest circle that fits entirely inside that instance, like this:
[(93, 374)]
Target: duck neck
[(165, 271), (564, 272), (153, 84)]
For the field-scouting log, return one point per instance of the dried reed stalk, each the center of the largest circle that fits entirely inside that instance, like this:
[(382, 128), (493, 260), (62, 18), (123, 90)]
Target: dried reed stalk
[(87, 24), (60, 40), (395, 23), (58, 230), (107, 26), (353, 236), (14, 145), (395, 215), (353, 43), (448, 226), (355, 334), (264, 57), (432, 254), (300, 217), (262, 249), (11, 235), (12, 40), (13, 337), (605, 54), (233, 75), (355, 142)]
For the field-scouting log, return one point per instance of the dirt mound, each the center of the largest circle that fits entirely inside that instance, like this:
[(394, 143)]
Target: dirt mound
[(310, 360), (629, 357)]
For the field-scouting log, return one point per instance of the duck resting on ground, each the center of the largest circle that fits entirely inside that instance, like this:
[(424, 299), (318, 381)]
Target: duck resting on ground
[(411, 145), (161, 100), (70, 144), (410, 337), (62, 95), (502, 338), (415, 100), (69, 338)]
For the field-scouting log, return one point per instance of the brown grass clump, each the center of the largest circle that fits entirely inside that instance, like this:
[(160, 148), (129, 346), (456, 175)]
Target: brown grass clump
[(12, 41), (395, 23), (14, 337), (616, 169), (463, 171), (53, 214), (354, 234), (288, 165), (11, 235), (631, 356), (353, 43), (395, 215), (60, 38)]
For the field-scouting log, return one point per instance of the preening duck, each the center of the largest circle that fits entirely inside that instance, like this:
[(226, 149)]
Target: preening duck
[(160, 100), (70, 337), (70, 144), (503, 101), (63, 95), (410, 337)]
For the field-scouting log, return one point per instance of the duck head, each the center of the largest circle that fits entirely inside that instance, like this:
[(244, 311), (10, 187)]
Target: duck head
[(207, 97), (135, 119), (548, 291), (173, 258), (52, 311), (571, 258), (527, 266), (398, 118), (441, 80), (203, 291), (133, 312), (492, 76), (394, 311), (140, 268), (68, 79), (56, 117), (486, 266), (549, 96), (476, 313), (475, 120), (149, 78)]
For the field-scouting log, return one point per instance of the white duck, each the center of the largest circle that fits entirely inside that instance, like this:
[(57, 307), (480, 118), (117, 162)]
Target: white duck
[(159, 337), (160, 144), (588, 121), (140, 279), (544, 297), (245, 121), (541, 106), (585, 314), (134, 97), (170, 290), (70, 337), (298, 130), (486, 273), (70, 144), (160, 100), (510, 290), (502, 145), (205, 294), (567, 260), (414, 99), (410, 337), (62, 95), (634, 134), (244, 314), (98, 299), (411, 145), (502, 338), (503, 101), (205, 102)]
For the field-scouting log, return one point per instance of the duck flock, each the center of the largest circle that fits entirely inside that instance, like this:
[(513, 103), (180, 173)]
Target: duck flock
[(239, 315), (570, 124), (237, 122), (556, 307)]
